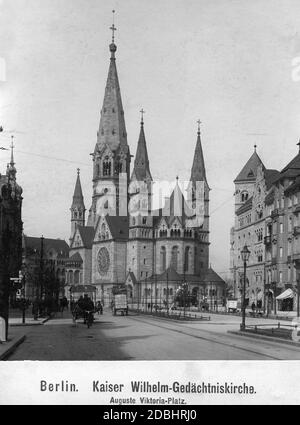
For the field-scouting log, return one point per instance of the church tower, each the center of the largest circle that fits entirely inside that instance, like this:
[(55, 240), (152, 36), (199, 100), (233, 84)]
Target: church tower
[(199, 192), (77, 208), (140, 245), (245, 181), (111, 157)]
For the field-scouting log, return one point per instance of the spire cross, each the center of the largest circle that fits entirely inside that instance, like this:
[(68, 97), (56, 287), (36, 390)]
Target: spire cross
[(78, 171), (199, 123), (255, 146), (142, 113), (113, 28)]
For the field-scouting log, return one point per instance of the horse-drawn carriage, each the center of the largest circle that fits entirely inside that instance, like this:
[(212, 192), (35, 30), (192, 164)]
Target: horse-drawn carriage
[(83, 299)]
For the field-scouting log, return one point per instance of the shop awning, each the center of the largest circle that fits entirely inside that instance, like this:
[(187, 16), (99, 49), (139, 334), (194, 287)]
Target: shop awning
[(288, 293)]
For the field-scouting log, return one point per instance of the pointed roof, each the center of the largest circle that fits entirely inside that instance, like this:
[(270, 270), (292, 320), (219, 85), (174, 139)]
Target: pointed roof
[(249, 171), (170, 275), (78, 196), (112, 129), (118, 226), (292, 169), (32, 245), (87, 234), (76, 257), (141, 171), (132, 277), (198, 168), (212, 276)]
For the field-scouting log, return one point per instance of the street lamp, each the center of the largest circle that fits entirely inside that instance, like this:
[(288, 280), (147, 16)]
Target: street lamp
[(245, 253)]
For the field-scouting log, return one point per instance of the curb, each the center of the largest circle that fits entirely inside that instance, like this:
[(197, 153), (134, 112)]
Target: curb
[(181, 320), (265, 338), (30, 324), (11, 349)]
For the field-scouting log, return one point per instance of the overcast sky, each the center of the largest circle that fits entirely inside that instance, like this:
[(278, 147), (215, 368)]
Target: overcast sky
[(229, 63)]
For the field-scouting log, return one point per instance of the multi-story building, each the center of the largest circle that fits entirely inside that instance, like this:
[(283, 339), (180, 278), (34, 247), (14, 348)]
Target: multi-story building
[(10, 234), (267, 204), (117, 246), (44, 267)]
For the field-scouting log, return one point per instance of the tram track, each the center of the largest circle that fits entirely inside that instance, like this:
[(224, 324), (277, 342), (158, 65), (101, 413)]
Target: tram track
[(213, 340)]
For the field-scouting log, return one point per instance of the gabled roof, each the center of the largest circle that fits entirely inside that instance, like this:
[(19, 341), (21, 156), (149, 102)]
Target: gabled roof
[(249, 171), (169, 275), (132, 277), (118, 226), (87, 234), (270, 177), (294, 164), (291, 170), (76, 257), (32, 245), (211, 276)]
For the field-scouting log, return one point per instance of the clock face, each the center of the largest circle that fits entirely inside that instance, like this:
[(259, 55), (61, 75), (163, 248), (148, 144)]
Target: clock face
[(103, 261)]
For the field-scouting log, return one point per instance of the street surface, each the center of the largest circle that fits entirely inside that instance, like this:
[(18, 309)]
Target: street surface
[(140, 337)]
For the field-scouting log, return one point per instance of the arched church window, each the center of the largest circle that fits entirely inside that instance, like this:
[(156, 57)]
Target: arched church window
[(186, 258), (163, 258), (106, 167), (174, 257)]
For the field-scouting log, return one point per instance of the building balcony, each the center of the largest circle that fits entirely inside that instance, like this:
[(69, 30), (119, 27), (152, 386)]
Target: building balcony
[(268, 240)]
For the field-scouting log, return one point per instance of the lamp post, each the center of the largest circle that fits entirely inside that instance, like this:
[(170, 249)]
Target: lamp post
[(245, 253), (167, 292)]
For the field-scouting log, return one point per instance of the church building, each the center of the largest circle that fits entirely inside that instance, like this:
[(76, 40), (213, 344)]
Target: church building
[(123, 240)]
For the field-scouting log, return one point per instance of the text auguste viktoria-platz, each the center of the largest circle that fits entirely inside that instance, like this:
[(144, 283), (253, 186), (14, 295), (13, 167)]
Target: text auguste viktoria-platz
[(145, 387)]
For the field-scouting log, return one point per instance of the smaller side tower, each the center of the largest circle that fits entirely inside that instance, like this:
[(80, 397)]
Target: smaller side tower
[(77, 208), (140, 244)]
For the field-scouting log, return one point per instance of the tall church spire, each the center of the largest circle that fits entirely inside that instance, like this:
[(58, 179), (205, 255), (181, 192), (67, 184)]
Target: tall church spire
[(112, 129), (11, 169), (78, 196), (198, 168), (77, 208), (141, 169)]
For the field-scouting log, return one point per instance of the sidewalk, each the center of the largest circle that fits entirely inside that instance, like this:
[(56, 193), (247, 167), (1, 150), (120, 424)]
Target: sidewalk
[(15, 337), (29, 321)]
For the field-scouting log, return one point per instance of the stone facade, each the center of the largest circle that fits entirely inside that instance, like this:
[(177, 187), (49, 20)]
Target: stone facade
[(10, 235), (128, 241), (267, 221)]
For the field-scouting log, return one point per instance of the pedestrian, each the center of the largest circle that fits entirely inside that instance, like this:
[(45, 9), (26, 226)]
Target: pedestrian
[(35, 309), (253, 307)]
